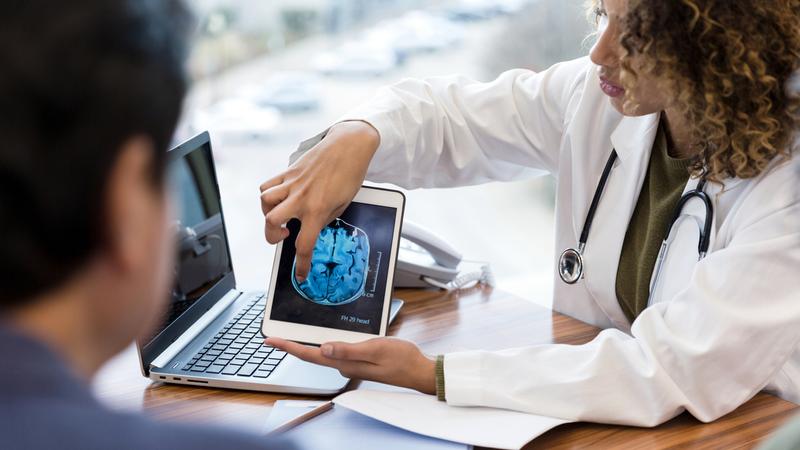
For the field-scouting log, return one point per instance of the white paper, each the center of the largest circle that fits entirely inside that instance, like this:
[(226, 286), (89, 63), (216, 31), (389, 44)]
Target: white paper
[(424, 414), (341, 428)]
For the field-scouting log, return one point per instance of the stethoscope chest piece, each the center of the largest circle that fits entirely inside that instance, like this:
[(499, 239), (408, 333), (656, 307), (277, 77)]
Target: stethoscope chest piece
[(570, 266)]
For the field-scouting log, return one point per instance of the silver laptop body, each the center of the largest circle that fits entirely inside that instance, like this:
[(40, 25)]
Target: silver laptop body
[(211, 334)]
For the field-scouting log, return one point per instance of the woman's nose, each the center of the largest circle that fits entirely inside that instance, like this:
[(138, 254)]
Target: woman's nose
[(605, 52)]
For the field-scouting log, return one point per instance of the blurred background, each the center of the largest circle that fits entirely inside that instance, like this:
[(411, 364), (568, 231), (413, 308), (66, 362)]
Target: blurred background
[(269, 74)]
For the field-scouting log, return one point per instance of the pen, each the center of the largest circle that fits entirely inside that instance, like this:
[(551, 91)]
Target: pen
[(288, 425)]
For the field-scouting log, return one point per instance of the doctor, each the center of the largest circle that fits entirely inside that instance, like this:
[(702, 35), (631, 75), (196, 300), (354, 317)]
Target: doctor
[(679, 120)]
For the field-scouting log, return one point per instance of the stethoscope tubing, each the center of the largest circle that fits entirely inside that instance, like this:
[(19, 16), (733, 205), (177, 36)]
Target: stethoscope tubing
[(571, 260), (598, 193)]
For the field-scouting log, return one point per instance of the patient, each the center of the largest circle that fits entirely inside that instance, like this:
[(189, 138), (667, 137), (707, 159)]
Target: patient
[(90, 91)]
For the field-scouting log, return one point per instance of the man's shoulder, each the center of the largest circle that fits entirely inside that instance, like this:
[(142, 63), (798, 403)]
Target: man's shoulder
[(41, 424)]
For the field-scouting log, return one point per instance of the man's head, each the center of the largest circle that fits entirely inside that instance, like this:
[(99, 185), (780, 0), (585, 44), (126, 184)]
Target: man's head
[(90, 92)]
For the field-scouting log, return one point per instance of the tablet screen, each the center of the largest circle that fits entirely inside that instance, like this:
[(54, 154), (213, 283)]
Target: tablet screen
[(346, 285)]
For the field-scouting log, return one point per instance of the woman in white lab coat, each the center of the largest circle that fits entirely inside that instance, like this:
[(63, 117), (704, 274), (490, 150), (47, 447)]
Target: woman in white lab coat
[(698, 83)]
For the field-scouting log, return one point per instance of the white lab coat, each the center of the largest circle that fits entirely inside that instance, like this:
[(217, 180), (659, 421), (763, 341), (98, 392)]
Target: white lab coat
[(717, 332)]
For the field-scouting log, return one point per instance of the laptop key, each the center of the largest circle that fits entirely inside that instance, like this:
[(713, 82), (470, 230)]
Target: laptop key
[(187, 367), (268, 365), (247, 370), (261, 373), (277, 354), (231, 369), (215, 368)]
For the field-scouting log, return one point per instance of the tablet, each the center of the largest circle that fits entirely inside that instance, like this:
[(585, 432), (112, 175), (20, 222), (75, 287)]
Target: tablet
[(349, 287)]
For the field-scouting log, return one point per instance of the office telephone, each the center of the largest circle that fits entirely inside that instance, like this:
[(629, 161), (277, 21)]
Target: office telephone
[(426, 260)]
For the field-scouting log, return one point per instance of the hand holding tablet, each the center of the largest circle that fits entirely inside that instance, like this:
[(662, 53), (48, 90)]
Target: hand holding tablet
[(347, 293)]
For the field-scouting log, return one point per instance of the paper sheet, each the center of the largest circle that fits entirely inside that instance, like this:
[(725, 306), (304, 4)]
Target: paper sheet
[(341, 428), (424, 414)]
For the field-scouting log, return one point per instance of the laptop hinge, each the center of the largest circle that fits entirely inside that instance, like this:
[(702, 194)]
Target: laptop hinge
[(193, 331)]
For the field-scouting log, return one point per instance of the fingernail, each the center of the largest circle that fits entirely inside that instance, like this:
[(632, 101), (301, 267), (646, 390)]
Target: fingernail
[(327, 350), (301, 278)]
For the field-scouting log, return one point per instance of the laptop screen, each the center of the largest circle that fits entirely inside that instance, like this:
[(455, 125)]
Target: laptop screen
[(203, 272)]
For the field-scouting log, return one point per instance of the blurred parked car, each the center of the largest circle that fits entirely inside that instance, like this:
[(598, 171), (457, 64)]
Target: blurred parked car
[(236, 119), (416, 32), (472, 11), (357, 59), (476, 10), (289, 92), (512, 6)]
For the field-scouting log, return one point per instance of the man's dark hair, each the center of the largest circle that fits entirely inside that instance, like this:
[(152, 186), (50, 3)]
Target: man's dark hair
[(77, 79)]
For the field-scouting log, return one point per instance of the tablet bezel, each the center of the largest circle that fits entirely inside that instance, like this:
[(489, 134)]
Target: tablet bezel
[(316, 335)]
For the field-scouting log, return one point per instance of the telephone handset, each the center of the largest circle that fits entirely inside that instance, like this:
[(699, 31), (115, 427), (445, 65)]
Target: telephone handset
[(426, 260)]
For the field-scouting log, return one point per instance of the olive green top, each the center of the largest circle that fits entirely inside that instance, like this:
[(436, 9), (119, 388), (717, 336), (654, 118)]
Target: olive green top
[(663, 185)]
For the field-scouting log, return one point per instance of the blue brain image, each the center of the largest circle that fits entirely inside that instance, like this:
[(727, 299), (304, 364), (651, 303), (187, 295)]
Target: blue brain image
[(339, 265)]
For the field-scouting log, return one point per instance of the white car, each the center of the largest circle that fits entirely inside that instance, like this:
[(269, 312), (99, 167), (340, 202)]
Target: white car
[(416, 32), (236, 118), (475, 10), (290, 92), (357, 59)]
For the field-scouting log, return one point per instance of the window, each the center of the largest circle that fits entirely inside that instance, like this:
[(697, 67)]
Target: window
[(268, 75)]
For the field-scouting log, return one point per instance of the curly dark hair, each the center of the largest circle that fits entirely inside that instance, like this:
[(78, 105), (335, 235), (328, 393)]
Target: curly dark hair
[(727, 65)]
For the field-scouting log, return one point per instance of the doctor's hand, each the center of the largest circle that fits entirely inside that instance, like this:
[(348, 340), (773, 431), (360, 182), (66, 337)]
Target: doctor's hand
[(385, 360), (318, 187)]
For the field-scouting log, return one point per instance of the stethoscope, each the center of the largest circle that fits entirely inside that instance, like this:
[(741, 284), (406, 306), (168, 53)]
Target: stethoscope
[(570, 264)]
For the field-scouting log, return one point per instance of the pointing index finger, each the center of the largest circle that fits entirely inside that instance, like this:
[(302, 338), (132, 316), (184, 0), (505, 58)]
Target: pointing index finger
[(304, 245)]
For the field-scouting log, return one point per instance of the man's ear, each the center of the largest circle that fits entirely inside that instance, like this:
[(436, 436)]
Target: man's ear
[(130, 208)]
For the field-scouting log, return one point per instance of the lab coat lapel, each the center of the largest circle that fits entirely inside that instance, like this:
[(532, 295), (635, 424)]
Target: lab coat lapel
[(682, 254), (633, 140)]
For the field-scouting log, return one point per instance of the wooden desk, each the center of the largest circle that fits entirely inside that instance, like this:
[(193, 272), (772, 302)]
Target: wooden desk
[(440, 323)]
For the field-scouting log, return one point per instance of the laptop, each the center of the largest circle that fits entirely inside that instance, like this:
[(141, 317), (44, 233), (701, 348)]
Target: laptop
[(210, 334)]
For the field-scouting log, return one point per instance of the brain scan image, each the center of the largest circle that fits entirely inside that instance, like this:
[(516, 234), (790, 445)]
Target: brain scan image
[(339, 266)]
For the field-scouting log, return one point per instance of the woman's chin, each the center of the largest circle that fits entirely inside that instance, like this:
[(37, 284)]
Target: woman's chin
[(618, 104), (630, 110)]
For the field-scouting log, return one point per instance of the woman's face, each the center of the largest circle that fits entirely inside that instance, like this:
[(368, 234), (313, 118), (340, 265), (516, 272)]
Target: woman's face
[(647, 97)]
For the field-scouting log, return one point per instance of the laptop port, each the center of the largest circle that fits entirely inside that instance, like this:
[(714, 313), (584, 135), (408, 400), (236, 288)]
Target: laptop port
[(196, 381)]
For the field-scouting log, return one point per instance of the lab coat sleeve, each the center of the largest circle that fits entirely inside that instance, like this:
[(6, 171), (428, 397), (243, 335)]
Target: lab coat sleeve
[(450, 131), (710, 349)]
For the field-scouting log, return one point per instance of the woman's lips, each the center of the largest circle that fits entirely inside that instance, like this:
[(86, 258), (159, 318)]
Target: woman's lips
[(611, 89)]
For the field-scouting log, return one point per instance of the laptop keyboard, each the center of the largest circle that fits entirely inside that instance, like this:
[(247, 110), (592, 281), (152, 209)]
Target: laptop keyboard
[(238, 348)]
